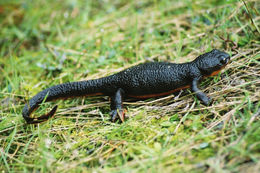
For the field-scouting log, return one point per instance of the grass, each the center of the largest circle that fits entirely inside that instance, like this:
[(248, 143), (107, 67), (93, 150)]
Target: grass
[(44, 43)]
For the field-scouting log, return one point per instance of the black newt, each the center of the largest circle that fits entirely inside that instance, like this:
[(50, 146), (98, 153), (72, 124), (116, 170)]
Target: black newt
[(142, 81)]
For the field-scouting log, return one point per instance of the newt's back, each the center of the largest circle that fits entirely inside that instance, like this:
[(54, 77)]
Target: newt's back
[(152, 78)]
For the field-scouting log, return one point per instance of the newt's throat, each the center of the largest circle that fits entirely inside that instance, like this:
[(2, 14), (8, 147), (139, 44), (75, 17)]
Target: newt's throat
[(215, 72)]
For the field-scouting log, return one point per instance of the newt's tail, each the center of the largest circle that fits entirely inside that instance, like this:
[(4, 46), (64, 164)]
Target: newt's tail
[(62, 91)]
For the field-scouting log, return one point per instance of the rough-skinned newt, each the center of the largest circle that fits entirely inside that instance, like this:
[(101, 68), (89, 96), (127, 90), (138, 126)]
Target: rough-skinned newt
[(141, 81)]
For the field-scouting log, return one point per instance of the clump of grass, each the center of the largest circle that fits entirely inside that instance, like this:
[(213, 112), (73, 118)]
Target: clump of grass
[(47, 43)]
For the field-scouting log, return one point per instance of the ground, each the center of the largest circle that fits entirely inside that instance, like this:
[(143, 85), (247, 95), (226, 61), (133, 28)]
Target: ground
[(44, 43)]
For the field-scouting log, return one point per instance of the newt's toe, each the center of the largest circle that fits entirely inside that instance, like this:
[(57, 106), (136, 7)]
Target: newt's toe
[(207, 101), (117, 114)]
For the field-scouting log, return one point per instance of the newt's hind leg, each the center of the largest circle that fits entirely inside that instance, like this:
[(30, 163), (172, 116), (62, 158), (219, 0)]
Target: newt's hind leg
[(116, 106)]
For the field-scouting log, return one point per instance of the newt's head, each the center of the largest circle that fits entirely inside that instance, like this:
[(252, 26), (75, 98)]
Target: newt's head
[(212, 62)]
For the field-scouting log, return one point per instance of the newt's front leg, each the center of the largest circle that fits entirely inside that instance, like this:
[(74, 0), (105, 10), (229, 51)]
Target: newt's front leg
[(202, 96), (116, 106)]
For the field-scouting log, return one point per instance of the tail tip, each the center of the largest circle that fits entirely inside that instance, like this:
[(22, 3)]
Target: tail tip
[(42, 118)]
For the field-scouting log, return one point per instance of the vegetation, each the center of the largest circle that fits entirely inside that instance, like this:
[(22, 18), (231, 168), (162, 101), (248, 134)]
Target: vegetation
[(44, 43)]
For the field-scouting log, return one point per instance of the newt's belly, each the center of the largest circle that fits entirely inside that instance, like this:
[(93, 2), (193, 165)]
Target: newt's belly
[(151, 95)]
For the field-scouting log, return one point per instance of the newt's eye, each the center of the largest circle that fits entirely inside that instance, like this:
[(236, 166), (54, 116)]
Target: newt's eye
[(224, 59)]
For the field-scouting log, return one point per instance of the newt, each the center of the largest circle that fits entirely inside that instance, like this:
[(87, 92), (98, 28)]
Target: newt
[(142, 81)]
